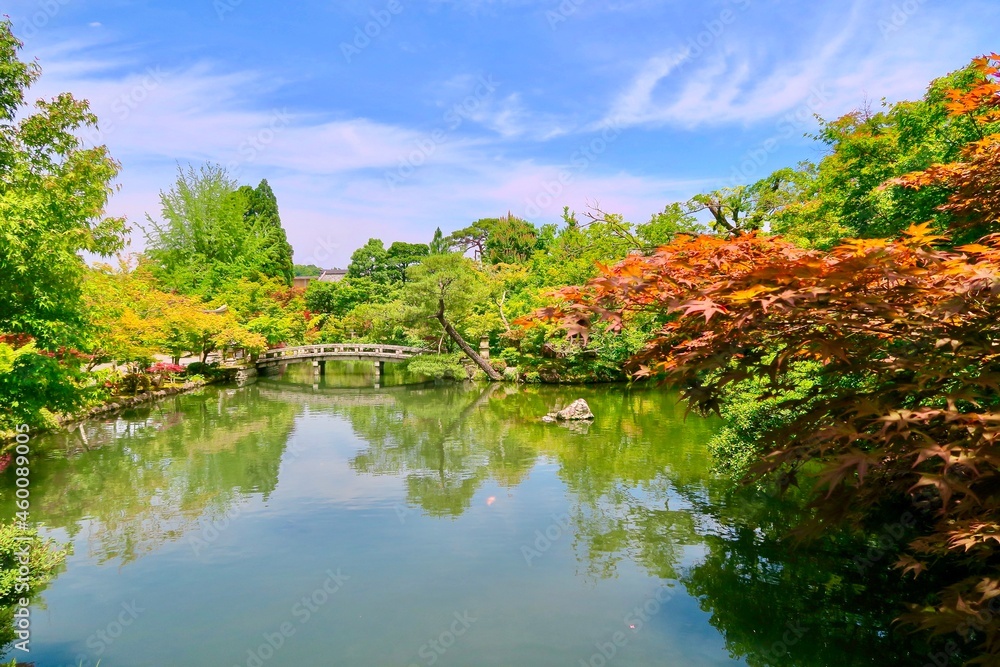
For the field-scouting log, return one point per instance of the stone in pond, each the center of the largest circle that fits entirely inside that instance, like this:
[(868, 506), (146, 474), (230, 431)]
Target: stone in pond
[(578, 410)]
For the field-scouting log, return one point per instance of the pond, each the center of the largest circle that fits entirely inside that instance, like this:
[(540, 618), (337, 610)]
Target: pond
[(293, 523)]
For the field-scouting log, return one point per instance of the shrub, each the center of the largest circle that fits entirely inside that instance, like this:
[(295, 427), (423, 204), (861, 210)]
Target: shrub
[(162, 372), (134, 383), (209, 371), (33, 385), (511, 355), (438, 366), (104, 384), (44, 560)]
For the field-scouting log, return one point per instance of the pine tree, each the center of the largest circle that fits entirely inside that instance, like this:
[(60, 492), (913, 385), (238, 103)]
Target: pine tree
[(438, 244)]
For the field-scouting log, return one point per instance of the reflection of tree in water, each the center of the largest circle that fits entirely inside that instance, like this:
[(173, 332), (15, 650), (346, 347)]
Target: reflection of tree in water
[(434, 437), (643, 491), (638, 478), (646, 494), (448, 440), (149, 476)]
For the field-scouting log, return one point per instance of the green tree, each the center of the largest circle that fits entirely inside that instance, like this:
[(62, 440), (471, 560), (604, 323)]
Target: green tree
[(665, 225), (511, 240), (53, 195), (267, 307), (370, 261), (869, 147), (262, 216), (507, 239), (439, 245), (401, 256), (307, 270), (213, 233), (471, 238), (747, 208), (446, 289), (202, 240), (503, 280), (575, 249), (338, 299)]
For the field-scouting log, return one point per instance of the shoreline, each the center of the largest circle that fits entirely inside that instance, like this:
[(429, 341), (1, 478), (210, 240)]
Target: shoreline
[(118, 404), (239, 375)]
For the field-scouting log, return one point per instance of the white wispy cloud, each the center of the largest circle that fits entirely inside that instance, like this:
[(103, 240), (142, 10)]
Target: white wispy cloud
[(329, 173), (496, 152), (841, 59)]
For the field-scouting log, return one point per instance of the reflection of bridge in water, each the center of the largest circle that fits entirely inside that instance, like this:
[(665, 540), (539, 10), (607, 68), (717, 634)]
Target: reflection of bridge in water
[(309, 395), (272, 361)]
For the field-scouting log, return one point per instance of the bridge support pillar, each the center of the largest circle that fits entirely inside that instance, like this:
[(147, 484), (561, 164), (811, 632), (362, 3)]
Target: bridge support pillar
[(322, 368), (379, 372)]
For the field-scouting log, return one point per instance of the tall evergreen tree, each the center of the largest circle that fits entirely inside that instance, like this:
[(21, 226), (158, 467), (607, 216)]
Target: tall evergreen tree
[(438, 244), (262, 211), (213, 233)]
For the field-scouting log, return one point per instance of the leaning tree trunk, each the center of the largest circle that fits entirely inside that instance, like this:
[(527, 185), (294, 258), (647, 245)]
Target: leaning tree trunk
[(491, 372)]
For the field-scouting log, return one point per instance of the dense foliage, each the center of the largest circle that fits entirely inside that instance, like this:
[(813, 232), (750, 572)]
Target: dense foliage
[(215, 279), (875, 365), (214, 232), (53, 192), (41, 558)]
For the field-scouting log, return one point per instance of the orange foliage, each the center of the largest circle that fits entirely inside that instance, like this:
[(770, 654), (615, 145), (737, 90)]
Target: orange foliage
[(908, 338), (904, 414)]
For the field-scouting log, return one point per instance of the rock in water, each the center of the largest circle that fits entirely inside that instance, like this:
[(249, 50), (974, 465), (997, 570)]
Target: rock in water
[(549, 418), (578, 410)]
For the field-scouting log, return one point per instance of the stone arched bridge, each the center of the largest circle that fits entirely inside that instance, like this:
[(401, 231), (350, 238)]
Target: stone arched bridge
[(320, 354)]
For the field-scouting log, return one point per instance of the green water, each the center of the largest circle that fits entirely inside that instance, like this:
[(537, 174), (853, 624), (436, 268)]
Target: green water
[(288, 523)]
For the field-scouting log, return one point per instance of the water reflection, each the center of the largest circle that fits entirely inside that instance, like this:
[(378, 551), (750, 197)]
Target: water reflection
[(643, 493), (637, 481), (144, 479)]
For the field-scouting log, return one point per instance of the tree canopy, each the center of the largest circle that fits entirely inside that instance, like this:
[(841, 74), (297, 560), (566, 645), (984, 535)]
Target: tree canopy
[(262, 215), (213, 231), (53, 194), (877, 361)]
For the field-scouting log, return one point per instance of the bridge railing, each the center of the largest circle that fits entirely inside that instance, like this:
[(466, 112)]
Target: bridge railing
[(345, 349)]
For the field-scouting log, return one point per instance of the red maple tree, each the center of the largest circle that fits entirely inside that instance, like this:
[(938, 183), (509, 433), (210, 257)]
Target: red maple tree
[(904, 415)]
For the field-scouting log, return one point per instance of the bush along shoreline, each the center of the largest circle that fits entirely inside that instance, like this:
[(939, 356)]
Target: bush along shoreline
[(146, 386)]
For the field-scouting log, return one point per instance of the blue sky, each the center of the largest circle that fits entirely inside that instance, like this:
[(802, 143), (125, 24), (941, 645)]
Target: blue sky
[(389, 118)]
